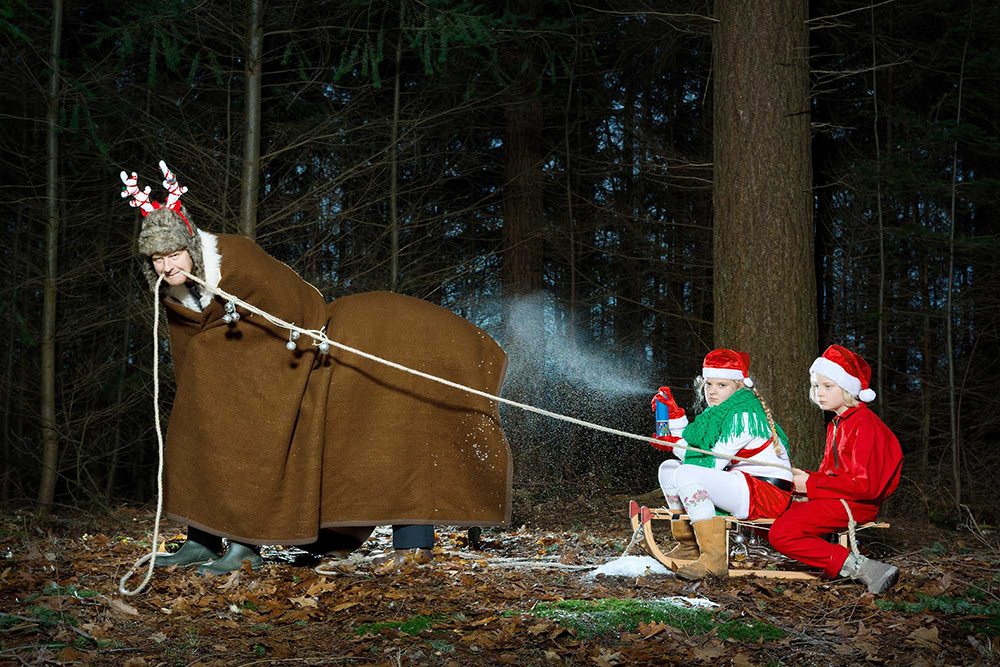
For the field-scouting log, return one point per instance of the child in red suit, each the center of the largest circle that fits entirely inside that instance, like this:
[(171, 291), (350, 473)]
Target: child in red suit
[(861, 466)]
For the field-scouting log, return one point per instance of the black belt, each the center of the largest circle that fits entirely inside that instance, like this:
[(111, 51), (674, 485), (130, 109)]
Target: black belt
[(783, 484)]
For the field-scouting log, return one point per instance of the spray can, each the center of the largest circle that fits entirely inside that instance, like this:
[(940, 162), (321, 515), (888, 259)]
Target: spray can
[(662, 414)]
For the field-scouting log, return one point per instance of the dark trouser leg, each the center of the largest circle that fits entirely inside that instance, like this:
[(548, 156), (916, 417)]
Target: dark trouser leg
[(413, 537)]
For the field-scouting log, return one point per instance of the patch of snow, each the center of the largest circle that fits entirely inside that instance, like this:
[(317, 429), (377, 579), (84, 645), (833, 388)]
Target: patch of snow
[(681, 601), (631, 566)]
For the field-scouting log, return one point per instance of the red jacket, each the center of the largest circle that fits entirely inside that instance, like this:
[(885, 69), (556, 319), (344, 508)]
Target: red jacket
[(862, 462)]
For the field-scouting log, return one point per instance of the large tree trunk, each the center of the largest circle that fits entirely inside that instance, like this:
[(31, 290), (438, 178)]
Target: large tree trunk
[(764, 288), (522, 198), (50, 437), (251, 145), (522, 261)]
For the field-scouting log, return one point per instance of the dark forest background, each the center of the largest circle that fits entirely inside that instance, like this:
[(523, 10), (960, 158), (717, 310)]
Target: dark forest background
[(544, 169)]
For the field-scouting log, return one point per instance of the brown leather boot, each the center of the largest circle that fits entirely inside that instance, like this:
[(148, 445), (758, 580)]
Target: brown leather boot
[(714, 560), (687, 544)]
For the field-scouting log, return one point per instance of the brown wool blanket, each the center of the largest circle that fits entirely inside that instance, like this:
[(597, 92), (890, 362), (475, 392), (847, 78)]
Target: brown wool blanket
[(267, 446)]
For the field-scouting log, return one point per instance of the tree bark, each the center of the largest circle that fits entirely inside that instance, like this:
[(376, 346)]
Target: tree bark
[(251, 145), (394, 182), (956, 472), (522, 198), (50, 436), (764, 284)]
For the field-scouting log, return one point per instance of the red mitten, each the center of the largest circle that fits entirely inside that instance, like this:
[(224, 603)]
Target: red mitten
[(664, 396), (665, 443)]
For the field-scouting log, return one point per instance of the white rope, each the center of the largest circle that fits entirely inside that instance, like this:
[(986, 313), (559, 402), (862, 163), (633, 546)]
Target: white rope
[(320, 337), (151, 556), (635, 539)]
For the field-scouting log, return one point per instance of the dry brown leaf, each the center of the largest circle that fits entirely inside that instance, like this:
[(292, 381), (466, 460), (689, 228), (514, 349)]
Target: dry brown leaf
[(707, 653), (180, 605), (70, 654), (484, 621), (231, 582), (304, 601), (345, 605), (321, 586), (539, 628), (122, 608), (651, 629), (607, 658), (926, 637)]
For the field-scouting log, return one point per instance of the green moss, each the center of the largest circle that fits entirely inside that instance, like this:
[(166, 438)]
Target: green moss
[(589, 618), (411, 626), (937, 549), (50, 617), (71, 590), (750, 631), (960, 605)]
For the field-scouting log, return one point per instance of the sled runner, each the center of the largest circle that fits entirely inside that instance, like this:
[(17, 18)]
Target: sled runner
[(642, 518)]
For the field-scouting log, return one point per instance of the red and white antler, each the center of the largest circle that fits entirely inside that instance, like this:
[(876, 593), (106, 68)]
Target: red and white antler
[(140, 197), (170, 183)]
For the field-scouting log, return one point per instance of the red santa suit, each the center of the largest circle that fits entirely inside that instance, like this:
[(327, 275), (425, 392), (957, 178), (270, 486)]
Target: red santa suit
[(862, 465)]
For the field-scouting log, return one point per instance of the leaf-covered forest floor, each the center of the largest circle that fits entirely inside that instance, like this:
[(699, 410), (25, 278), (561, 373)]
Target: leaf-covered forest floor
[(59, 602)]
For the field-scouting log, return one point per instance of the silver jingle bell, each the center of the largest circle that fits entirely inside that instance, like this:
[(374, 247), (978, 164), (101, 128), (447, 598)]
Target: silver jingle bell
[(227, 318), (294, 335), (290, 346), (230, 307), (236, 316), (324, 348)]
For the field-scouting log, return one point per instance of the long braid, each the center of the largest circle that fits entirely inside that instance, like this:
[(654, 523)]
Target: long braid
[(770, 420)]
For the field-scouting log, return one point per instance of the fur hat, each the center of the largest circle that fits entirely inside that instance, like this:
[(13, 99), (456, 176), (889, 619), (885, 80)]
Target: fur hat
[(166, 227), (164, 231)]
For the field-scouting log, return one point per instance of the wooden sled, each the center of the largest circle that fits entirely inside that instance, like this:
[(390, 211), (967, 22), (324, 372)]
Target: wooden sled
[(642, 518)]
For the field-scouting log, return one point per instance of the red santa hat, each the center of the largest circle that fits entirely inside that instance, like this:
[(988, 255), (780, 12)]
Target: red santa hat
[(723, 364), (847, 369)]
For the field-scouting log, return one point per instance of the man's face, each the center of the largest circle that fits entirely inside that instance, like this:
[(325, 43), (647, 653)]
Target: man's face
[(166, 264)]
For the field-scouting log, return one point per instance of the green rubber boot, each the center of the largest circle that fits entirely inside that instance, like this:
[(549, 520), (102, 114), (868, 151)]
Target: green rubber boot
[(233, 560), (200, 547)]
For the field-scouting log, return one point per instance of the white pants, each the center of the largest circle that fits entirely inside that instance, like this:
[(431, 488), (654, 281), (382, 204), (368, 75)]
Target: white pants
[(699, 490)]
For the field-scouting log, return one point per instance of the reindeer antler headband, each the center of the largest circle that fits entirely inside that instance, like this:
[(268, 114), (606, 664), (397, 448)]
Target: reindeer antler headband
[(140, 198)]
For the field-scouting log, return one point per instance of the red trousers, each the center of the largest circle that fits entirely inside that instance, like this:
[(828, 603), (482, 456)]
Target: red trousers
[(798, 532)]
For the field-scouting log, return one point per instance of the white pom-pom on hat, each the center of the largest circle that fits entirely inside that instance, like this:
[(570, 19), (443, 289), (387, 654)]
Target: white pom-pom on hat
[(866, 395)]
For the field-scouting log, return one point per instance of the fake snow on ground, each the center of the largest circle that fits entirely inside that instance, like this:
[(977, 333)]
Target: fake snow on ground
[(631, 566)]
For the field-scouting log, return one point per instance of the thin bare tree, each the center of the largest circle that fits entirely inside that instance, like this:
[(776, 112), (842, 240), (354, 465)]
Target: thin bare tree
[(251, 137), (50, 436)]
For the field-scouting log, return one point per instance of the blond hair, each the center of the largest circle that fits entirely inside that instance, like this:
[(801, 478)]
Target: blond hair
[(770, 420), (849, 399)]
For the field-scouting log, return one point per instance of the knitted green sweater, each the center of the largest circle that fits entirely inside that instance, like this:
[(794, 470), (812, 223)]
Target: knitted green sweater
[(741, 412)]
